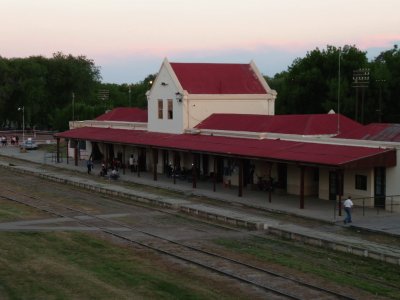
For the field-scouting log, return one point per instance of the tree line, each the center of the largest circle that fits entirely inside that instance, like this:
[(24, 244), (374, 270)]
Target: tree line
[(53, 91), (366, 91)]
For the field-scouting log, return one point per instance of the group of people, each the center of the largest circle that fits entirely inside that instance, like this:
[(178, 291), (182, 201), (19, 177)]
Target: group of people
[(104, 171), (14, 140), (133, 164), (115, 165), (3, 140)]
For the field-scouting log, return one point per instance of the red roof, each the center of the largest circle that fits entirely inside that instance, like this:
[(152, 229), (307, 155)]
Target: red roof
[(288, 124), (125, 114), (206, 78), (278, 150), (375, 132)]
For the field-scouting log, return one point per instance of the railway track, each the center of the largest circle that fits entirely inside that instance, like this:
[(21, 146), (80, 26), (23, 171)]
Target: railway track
[(275, 285)]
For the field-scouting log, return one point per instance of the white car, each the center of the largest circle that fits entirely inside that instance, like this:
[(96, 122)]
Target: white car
[(29, 144)]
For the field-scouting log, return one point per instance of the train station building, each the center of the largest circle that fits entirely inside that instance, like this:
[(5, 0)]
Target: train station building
[(216, 123)]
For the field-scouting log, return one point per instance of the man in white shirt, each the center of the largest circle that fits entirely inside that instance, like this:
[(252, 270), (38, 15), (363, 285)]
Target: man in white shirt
[(131, 163), (348, 204), (114, 174)]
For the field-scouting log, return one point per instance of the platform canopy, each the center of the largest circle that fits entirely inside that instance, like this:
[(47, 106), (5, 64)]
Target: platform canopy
[(276, 150)]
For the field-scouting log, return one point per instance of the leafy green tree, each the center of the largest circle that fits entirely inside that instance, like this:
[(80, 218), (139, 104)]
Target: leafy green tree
[(55, 90), (310, 85), (44, 86), (385, 86), (6, 90)]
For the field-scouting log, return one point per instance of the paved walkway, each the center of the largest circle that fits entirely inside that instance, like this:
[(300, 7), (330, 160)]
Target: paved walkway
[(372, 219), (314, 208)]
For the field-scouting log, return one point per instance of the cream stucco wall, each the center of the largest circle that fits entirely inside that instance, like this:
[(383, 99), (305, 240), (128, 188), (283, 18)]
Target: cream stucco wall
[(83, 153), (349, 188), (199, 107), (293, 181), (165, 87), (323, 192), (393, 177), (194, 108)]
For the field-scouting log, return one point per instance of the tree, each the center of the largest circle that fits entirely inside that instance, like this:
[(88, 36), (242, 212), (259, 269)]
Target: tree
[(6, 90), (385, 82), (43, 86), (310, 85)]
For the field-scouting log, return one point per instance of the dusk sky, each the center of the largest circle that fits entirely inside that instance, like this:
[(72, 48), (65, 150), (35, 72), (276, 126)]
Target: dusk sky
[(129, 39)]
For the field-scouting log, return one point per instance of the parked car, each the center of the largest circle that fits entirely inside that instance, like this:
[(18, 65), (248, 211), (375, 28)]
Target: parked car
[(29, 144)]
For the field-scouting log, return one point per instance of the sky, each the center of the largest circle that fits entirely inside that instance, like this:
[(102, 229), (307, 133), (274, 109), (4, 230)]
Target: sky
[(128, 39)]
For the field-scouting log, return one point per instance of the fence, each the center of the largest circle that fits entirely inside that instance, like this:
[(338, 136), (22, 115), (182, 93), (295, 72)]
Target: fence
[(379, 204), (52, 157)]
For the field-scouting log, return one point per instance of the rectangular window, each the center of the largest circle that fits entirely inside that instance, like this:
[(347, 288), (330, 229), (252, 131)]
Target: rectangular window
[(82, 145), (170, 109), (160, 109), (361, 182)]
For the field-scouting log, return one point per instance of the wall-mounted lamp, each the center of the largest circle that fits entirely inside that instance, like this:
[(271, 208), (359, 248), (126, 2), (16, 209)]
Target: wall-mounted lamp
[(164, 83), (178, 96)]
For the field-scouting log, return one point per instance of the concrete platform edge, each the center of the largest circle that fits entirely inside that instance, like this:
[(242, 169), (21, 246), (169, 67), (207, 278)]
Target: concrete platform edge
[(249, 224)]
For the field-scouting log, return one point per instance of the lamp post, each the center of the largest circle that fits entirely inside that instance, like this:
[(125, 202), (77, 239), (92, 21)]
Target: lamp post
[(73, 106), (360, 81), (338, 92), (129, 95), (380, 82), (23, 122)]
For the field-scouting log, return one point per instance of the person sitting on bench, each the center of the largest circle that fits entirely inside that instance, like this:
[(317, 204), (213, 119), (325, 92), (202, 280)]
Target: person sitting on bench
[(103, 171), (114, 174)]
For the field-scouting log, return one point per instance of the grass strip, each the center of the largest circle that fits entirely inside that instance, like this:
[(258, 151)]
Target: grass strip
[(375, 277), (81, 266)]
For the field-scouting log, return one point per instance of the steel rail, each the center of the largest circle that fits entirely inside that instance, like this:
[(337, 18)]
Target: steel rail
[(46, 208)]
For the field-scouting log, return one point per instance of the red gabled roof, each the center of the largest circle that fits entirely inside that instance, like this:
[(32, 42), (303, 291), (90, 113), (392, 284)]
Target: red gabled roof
[(278, 150), (375, 132), (207, 78), (124, 114), (315, 124)]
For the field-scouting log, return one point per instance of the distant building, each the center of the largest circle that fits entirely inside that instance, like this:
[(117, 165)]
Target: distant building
[(216, 122), (183, 94)]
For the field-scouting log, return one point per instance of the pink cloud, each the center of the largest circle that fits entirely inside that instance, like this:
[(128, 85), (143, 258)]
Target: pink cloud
[(379, 41)]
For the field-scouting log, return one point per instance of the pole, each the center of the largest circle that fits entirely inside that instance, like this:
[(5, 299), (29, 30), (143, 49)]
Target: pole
[(73, 106), (360, 81), (380, 104), (362, 104), (357, 104), (23, 124), (302, 171), (129, 96), (380, 82), (338, 94)]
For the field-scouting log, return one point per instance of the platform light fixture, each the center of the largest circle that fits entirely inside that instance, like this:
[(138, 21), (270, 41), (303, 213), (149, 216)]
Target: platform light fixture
[(178, 96), (22, 108)]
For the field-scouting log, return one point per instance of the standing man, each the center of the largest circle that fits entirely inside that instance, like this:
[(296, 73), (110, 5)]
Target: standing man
[(135, 164), (131, 163), (89, 165), (348, 204)]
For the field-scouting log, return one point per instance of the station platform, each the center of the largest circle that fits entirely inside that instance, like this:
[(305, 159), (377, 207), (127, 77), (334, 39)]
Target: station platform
[(227, 206)]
